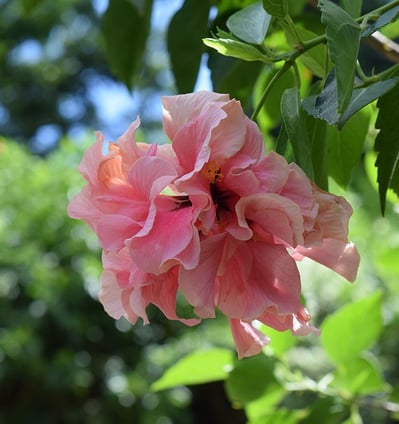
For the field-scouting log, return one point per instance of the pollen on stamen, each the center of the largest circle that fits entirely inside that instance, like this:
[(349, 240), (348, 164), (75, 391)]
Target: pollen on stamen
[(213, 172)]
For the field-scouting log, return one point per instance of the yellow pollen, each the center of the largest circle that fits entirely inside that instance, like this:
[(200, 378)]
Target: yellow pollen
[(213, 173)]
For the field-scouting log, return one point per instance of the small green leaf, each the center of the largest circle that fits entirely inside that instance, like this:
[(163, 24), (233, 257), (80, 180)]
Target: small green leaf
[(237, 49), (186, 29), (383, 20), (278, 8), (345, 147), (250, 24), (359, 376), (293, 118), (387, 144), (353, 7), (125, 29), (343, 39), (196, 368), (249, 379), (352, 329)]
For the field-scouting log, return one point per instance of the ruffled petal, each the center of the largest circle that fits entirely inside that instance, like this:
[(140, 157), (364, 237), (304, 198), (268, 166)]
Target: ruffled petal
[(248, 340), (179, 110), (341, 257)]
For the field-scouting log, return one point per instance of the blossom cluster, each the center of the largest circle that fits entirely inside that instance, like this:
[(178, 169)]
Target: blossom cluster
[(210, 216)]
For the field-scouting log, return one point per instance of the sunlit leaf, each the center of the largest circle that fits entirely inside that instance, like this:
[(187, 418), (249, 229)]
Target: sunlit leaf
[(293, 118), (343, 39), (196, 368), (345, 147), (250, 24), (352, 329), (387, 144), (250, 378), (277, 8), (186, 29), (360, 376), (237, 49), (124, 47), (280, 415), (281, 341)]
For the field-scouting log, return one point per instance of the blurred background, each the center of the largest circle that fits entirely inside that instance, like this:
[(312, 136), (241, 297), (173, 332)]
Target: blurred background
[(62, 358)]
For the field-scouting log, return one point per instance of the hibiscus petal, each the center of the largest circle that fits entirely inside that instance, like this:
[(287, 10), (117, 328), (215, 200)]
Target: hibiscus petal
[(113, 230), (198, 284), (257, 277), (179, 110), (248, 340), (271, 214), (339, 256), (157, 248), (91, 159)]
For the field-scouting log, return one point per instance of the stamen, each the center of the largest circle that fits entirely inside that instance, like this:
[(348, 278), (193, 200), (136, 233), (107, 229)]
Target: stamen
[(213, 172)]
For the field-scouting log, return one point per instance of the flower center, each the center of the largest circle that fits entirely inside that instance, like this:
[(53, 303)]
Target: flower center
[(213, 172)]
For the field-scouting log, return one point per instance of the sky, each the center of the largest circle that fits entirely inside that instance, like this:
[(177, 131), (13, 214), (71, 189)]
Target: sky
[(116, 106)]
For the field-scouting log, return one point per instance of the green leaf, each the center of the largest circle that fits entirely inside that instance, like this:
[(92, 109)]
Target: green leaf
[(280, 415), (250, 24), (353, 7), (387, 144), (186, 29), (125, 29), (250, 378), (266, 403), (324, 105), (278, 8), (360, 376), (345, 147), (353, 328), (237, 49), (281, 341), (383, 20), (343, 39), (317, 133), (196, 368), (236, 77), (293, 118)]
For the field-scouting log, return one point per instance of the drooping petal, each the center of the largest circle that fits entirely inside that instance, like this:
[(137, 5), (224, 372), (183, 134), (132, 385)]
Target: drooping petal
[(248, 340), (298, 323), (258, 276), (341, 257)]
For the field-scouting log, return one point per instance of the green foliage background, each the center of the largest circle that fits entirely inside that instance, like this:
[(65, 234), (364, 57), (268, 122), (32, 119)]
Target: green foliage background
[(62, 359)]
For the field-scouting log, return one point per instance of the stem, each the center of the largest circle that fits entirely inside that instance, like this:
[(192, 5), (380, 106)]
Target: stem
[(378, 12), (290, 57), (269, 86)]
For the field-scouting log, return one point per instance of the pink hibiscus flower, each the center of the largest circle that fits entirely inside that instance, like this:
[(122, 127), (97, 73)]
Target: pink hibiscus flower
[(209, 215)]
